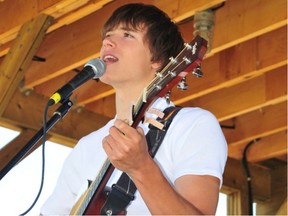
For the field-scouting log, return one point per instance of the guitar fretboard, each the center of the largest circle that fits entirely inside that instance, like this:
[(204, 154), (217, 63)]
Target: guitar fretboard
[(92, 188)]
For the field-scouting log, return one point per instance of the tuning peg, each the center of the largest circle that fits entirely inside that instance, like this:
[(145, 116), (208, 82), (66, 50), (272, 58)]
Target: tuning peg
[(182, 84), (197, 72)]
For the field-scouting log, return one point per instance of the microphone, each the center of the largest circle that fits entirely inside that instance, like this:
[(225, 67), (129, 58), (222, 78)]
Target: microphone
[(93, 69)]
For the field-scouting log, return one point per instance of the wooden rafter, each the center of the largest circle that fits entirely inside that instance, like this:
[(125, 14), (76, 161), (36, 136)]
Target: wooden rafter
[(15, 63)]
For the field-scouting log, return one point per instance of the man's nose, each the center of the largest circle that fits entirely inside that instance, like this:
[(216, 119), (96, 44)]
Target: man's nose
[(109, 42)]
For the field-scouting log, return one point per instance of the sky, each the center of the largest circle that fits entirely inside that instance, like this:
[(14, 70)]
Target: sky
[(20, 185)]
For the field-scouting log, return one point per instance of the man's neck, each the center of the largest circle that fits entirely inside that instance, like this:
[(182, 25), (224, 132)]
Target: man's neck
[(124, 104), (126, 97)]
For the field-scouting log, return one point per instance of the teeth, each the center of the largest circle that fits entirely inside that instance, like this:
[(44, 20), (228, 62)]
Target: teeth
[(110, 58)]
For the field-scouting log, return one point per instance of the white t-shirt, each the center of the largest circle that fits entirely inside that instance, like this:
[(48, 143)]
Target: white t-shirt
[(194, 144)]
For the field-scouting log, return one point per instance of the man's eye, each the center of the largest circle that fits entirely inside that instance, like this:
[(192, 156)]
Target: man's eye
[(126, 34)]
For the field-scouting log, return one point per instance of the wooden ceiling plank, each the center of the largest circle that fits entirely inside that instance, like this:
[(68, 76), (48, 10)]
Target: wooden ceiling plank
[(63, 7), (245, 97), (220, 71), (79, 52), (14, 65), (56, 9), (105, 106), (247, 19), (268, 147), (187, 8), (233, 66), (80, 12), (233, 101), (224, 69), (76, 124), (89, 40), (86, 91), (96, 97), (25, 11), (64, 16), (259, 123)]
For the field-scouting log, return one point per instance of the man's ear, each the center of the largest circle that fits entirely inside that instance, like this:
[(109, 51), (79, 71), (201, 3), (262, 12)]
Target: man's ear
[(156, 65)]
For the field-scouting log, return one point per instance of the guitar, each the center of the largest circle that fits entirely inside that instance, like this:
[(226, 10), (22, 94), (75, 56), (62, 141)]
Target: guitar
[(188, 59)]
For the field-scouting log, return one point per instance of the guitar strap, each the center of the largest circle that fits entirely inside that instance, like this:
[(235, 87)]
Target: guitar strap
[(122, 193)]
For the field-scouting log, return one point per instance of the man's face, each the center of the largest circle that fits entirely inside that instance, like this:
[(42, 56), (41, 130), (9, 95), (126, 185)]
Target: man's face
[(127, 57)]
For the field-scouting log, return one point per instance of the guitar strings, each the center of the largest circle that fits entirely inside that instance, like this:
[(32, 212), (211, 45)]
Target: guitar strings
[(159, 77), (158, 80)]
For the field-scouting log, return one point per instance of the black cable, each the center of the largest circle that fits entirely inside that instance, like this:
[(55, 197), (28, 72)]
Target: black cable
[(245, 165), (43, 161)]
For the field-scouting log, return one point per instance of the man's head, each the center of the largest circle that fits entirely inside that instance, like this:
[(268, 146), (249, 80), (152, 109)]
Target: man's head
[(163, 37)]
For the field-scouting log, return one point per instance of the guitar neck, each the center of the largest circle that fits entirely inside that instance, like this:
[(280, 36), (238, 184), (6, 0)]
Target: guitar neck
[(94, 191)]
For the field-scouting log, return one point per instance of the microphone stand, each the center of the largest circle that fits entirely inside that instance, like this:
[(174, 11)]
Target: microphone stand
[(57, 115)]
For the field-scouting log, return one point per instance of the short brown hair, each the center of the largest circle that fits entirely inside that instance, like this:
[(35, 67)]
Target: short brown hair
[(163, 36)]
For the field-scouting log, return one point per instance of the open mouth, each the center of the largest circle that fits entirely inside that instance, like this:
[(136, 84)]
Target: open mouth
[(110, 58)]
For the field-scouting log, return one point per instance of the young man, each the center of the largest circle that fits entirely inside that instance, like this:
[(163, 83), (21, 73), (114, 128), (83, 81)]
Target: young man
[(186, 173)]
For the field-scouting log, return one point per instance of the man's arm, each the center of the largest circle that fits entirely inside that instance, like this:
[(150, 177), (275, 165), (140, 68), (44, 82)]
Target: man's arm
[(192, 194)]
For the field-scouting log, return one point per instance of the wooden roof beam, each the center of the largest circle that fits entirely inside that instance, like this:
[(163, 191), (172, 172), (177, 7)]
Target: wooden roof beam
[(219, 71), (268, 147), (81, 36), (245, 97), (247, 20), (14, 65), (60, 10), (232, 101), (76, 124), (69, 11), (259, 123), (233, 66), (255, 97)]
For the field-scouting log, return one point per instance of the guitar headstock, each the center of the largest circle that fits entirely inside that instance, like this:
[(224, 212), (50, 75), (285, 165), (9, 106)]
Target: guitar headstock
[(189, 59)]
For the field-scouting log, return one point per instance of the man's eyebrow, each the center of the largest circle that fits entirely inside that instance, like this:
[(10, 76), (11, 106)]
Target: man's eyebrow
[(126, 28)]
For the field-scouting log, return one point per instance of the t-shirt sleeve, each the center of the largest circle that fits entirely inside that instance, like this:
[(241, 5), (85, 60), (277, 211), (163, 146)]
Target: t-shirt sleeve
[(198, 144)]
